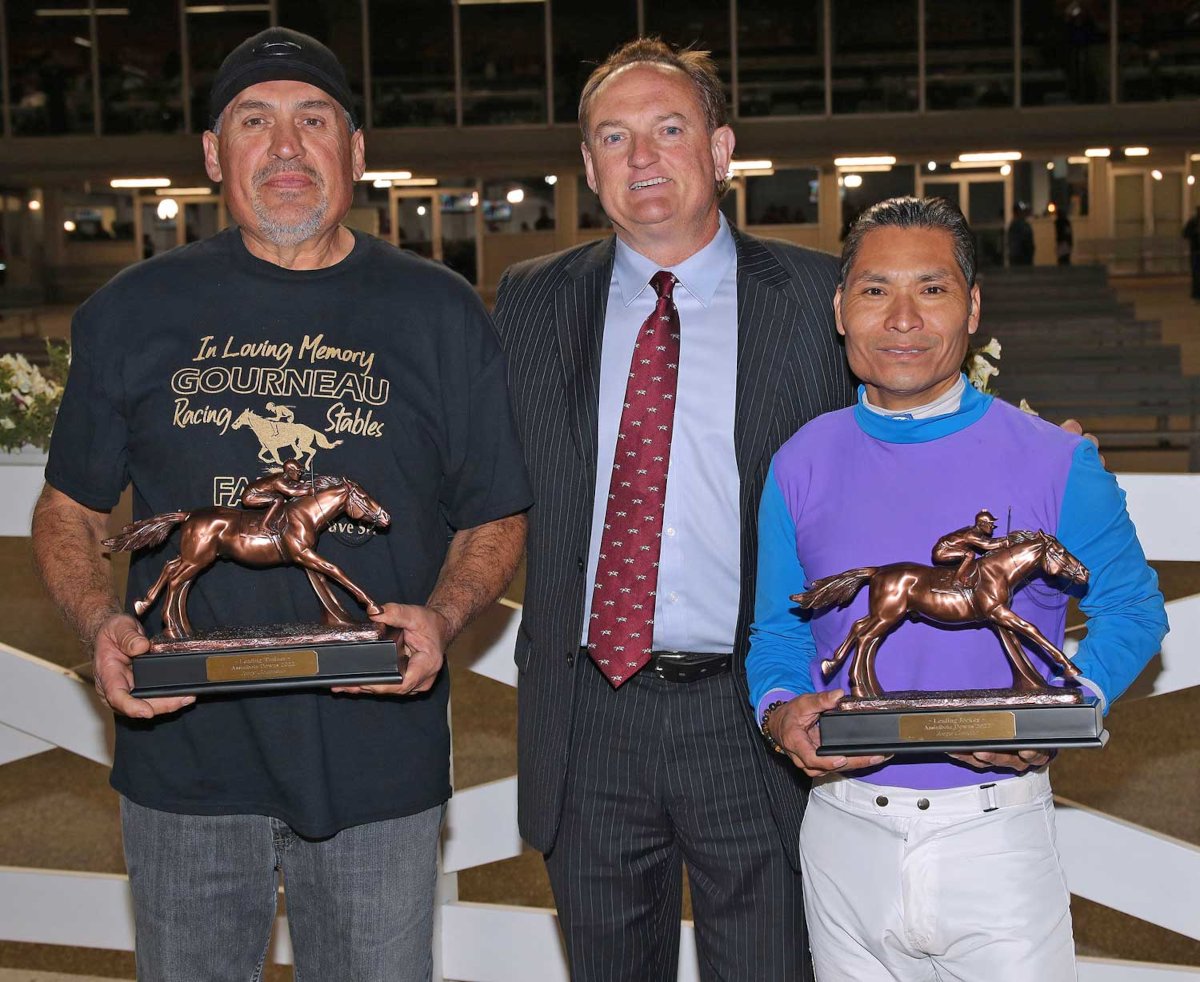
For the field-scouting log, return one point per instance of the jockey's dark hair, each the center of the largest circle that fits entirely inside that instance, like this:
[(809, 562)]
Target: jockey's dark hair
[(908, 212)]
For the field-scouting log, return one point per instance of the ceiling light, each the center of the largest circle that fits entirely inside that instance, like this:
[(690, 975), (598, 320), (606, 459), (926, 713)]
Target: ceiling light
[(381, 182), (1137, 151), (420, 209), (991, 155), (414, 182), (35, 205), (1079, 160), (1052, 207), (68, 226), (1097, 152), (474, 199), (1049, 165), (551, 179), (386, 175), (140, 182), (1006, 169), (168, 208), (873, 169), (931, 166), (515, 196), (1156, 174), (743, 165), (1191, 180), (184, 192), (852, 180), (863, 161), (976, 165)]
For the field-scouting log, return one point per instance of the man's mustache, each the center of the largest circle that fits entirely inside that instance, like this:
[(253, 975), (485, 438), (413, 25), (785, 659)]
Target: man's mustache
[(264, 174)]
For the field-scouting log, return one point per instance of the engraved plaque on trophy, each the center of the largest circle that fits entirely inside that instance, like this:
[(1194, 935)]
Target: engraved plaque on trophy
[(339, 651), (1029, 715)]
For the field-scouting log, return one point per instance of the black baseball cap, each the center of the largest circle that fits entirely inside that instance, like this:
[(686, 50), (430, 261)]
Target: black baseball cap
[(279, 55)]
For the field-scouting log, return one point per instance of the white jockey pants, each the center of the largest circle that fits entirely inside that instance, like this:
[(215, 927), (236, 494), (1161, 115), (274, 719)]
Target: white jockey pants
[(963, 884)]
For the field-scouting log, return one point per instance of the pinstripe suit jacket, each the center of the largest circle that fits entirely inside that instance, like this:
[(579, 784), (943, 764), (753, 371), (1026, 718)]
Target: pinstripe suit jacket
[(791, 367)]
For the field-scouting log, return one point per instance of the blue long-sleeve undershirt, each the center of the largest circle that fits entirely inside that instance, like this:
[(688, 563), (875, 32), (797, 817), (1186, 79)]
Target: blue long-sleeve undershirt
[(1126, 619)]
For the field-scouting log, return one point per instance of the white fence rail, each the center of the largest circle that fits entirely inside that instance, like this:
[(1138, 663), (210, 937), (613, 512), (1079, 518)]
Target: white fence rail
[(1143, 873)]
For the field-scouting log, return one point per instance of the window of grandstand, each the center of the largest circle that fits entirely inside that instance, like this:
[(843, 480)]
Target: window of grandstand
[(1160, 50), (781, 58), (787, 197), (519, 204), (590, 215), (140, 68), (412, 71), (50, 68), (875, 56), (1064, 52), (503, 62), (968, 54), (584, 34)]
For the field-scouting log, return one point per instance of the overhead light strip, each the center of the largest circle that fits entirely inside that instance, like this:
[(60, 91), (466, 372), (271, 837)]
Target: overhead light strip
[(140, 182), (386, 175), (991, 156), (863, 161)]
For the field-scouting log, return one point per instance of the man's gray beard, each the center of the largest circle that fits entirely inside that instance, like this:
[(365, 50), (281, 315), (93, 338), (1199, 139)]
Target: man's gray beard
[(289, 235)]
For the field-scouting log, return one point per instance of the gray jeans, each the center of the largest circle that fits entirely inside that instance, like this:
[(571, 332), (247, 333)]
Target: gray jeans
[(359, 904)]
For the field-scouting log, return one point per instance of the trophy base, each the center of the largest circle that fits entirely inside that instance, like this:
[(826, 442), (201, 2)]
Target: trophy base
[(270, 657), (979, 719)]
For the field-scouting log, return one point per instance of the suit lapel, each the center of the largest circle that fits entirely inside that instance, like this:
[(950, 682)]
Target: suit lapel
[(768, 321), (579, 306)]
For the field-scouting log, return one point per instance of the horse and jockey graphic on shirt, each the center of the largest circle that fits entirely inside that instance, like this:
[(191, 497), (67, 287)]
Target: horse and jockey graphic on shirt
[(280, 432)]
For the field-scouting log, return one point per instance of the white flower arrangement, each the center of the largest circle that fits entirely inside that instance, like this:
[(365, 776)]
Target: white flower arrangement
[(29, 398), (980, 371)]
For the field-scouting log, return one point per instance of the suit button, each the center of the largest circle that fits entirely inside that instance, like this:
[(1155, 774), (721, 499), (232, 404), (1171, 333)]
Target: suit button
[(579, 563), (881, 801), (922, 803), (570, 659)]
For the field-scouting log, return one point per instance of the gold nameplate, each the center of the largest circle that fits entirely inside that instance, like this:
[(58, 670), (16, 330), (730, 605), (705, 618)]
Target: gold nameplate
[(261, 665), (948, 727)]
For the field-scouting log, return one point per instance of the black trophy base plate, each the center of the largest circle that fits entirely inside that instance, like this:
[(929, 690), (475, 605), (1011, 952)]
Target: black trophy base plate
[(961, 722), (269, 658)]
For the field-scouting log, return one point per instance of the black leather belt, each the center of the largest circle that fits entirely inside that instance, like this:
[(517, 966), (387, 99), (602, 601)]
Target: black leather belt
[(684, 666)]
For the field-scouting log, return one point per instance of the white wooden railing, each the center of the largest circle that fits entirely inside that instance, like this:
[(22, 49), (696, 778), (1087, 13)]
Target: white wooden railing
[(1111, 862)]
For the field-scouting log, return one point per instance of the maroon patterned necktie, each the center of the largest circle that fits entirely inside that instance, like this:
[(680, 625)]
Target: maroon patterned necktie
[(621, 628)]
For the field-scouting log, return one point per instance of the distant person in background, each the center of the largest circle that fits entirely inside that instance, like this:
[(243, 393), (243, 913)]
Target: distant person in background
[(1064, 237), (1191, 232), (544, 221), (1020, 238)]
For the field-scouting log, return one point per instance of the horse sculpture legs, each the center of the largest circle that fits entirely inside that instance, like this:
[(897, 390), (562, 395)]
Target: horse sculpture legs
[(865, 636), (311, 561), (1005, 618), (332, 610), (1025, 676)]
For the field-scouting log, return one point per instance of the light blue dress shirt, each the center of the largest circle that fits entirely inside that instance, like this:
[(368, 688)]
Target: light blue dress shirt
[(699, 567)]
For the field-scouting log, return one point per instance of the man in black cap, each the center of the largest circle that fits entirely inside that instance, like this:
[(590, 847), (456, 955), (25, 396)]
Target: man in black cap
[(392, 374)]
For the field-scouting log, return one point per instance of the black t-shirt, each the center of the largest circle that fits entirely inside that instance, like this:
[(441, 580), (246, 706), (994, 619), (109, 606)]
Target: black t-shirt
[(194, 373)]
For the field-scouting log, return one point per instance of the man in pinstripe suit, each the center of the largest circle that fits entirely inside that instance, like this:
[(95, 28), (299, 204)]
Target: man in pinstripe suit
[(622, 783)]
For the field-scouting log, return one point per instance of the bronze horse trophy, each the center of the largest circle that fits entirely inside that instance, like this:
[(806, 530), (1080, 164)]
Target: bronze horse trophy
[(209, 534), (901, 590)]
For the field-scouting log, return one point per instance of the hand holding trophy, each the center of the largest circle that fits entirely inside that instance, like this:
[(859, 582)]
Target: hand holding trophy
[(1032, 714), (339, 651)]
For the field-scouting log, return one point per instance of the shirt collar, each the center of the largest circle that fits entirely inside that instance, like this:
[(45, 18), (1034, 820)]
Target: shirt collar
[(700, 274), (972, 406), (947, 402)]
